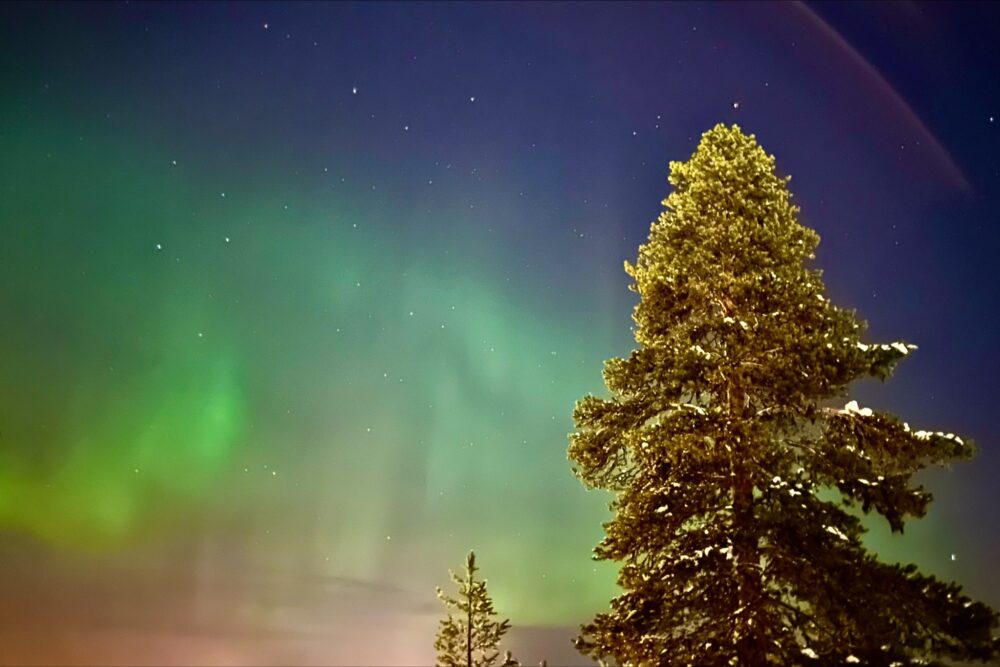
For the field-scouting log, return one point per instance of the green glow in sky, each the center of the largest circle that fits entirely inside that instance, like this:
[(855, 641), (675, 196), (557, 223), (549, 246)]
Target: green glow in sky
[(285, 369)]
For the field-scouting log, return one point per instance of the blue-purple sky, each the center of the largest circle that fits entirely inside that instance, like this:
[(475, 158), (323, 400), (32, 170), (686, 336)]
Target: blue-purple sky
[(296, 299)]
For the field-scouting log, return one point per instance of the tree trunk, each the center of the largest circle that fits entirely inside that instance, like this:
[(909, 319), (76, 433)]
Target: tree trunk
[(750, 650), (468, 626)]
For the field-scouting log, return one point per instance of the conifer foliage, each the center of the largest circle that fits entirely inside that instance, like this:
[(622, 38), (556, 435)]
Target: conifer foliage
[(469, 636), (734, 473)]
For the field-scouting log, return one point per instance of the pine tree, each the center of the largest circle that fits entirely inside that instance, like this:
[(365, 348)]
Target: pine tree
[(734, 476), (470, 637)]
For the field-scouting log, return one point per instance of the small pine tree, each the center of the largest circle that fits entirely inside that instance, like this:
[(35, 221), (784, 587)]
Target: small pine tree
[(724, 453), (470, 637)]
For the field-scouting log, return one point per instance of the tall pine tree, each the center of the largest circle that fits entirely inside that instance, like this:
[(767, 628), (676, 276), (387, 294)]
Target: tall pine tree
[(470, 637), (734, 476)]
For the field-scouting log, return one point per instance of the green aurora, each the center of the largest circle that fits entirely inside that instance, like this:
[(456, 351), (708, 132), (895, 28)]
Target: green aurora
[(361, 387)]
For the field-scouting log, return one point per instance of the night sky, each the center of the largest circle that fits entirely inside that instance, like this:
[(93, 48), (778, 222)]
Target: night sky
[(296, 300)]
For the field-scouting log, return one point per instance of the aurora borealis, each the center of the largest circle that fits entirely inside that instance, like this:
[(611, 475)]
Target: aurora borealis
[(296, 299)]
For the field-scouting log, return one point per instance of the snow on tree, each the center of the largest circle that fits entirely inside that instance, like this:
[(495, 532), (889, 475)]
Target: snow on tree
[(719, 437), (469, 636)]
